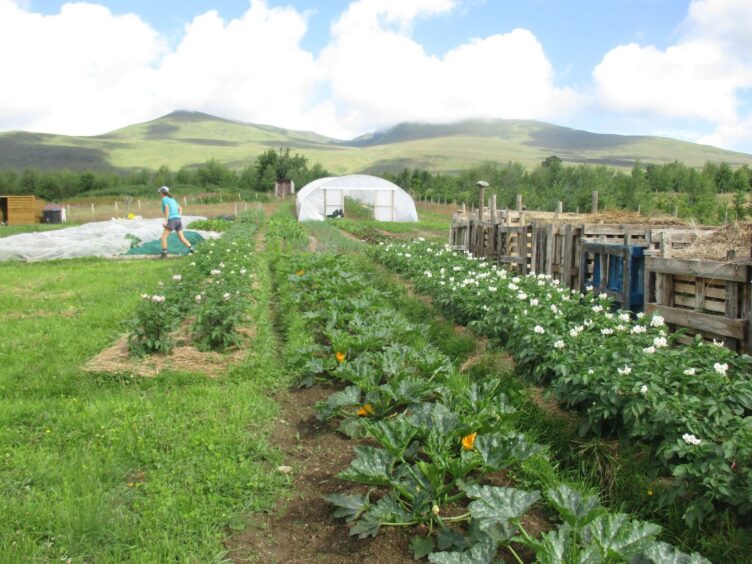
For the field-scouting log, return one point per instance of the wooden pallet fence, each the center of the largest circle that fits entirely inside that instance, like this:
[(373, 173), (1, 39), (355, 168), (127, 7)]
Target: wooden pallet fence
[(709, 298)]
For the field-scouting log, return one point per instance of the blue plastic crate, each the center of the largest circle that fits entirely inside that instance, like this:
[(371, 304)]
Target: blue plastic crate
[(615, 278)]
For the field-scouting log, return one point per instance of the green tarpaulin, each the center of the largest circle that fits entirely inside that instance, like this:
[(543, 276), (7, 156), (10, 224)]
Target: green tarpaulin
[(174, 246)]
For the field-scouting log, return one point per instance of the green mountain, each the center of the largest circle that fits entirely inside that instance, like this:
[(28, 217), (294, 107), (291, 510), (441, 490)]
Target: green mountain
[(190, 138)]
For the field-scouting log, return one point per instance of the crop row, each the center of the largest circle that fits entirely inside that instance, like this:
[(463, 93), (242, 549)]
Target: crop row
[(442, 439), (623, 373), (212, 287)]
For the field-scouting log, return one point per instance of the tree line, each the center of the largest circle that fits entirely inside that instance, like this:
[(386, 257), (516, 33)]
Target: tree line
[(666, 188), (212, 176)]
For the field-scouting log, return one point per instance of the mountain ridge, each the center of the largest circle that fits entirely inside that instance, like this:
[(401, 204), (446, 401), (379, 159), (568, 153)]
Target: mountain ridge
[(188, 138)]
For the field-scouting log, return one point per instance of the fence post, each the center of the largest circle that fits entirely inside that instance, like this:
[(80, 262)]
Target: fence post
[(518, 203), (594, 202)]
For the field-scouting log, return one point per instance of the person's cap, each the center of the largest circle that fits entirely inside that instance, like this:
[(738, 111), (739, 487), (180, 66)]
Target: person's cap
[(164, 190)]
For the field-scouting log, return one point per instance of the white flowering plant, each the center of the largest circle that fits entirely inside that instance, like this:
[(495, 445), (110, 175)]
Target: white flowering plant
[(606, 359)]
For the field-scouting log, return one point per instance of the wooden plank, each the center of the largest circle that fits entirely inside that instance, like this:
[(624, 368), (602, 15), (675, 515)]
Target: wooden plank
[(734, 328), (732, 300), (534, 231), (691, 302), (550, 246), (700, 294), (701, 268), (590, 229), (664, 294), (566, 261), (604, 249), (583, 269), (626, 279)]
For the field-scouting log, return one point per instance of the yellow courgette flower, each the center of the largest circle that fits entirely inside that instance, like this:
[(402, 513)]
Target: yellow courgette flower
[(468, 441), (366, 410)]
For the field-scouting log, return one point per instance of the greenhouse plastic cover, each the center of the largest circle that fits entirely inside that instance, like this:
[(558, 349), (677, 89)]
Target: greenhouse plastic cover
[(325, 196), (98, 239)]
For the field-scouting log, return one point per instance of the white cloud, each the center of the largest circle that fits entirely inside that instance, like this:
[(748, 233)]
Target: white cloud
[(380, 76), (87, 70), (702, 76), (251, 68), (83, 70)]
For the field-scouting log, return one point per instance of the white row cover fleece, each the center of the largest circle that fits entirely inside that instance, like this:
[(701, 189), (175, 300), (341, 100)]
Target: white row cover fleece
[(97, 239), (326, 197)]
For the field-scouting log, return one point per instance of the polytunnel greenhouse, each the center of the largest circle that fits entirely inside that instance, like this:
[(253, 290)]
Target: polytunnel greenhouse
[(325, 197)]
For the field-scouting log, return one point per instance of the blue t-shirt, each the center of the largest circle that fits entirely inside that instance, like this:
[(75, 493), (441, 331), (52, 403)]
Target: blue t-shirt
[(170, 202)]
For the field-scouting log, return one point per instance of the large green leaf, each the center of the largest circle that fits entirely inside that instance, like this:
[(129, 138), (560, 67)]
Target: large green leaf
[(574, 507), (408, 389), (385, 511), (393, 434), (462, 466), (496, 508), (353, 427), (348, 506), (614, 535), (421, 546), (434, 417), (449, 538), (555, 547), (481, 553), (361, 372), (371, 466), (348, 397), (663, 553), (499, 451)]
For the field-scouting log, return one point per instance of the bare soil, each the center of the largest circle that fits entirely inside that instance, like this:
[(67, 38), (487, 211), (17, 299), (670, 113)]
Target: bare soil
[(303, 530)]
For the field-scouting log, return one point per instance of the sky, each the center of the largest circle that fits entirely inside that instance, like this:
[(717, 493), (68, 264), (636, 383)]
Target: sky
[(675, 68)]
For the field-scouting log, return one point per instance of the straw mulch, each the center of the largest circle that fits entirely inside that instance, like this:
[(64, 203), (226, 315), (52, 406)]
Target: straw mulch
[(632, 218), (715, 245), (183, 358)]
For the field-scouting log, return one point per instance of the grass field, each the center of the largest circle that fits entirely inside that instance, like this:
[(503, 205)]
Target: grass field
[(112, 469)]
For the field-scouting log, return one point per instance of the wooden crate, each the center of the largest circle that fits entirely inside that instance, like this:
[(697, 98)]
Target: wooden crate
[(709, 298)]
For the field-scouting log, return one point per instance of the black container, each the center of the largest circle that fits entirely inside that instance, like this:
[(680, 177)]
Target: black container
[(52, 216)]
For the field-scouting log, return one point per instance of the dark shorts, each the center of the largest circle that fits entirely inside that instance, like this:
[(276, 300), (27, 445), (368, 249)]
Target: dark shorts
[(174, 224)]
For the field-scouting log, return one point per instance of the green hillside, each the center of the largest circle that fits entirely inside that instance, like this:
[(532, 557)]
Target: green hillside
[(190, 138)]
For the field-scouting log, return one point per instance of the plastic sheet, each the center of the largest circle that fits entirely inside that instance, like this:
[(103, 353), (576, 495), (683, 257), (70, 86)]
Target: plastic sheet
[(98, 239)]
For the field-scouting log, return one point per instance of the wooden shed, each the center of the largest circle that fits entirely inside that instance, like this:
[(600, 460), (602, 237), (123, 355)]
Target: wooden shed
[(18, 210), (283, 188)]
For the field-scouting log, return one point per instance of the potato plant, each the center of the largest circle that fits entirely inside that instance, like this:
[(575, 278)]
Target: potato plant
[(624, 373), (213, 286)]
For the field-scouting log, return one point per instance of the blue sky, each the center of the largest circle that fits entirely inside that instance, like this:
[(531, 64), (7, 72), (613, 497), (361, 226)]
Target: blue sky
[(680, 68)]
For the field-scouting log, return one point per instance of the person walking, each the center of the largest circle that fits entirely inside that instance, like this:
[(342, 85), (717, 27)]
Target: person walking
[(172, 214)]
